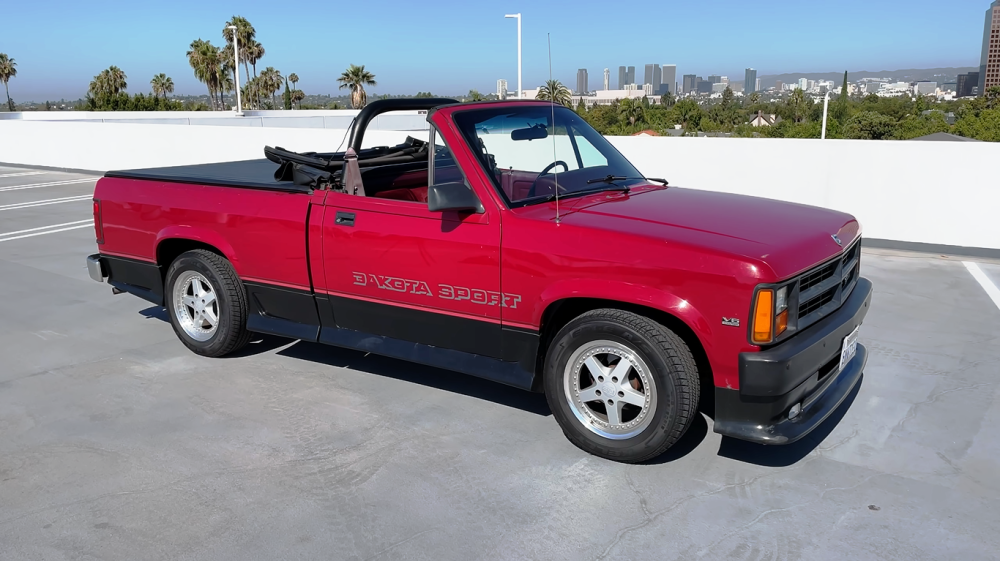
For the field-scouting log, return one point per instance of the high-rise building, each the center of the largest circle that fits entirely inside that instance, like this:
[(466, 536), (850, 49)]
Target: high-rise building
[(966, 84), (582, 83), (705, 86), (989, 65), (715, 79), (756, 87), (607, 79), (501, 89), (924, 88), (690, 83), (750, 81), (622, 77), (668, 82), (803, 83), (630, 75), (779, 86), (652, 77)]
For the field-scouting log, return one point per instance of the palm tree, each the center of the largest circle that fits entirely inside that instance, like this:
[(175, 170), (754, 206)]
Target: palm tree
[(297, 96), (162, 85), (116, 80), (204, 58), (271, 81), (474, 95), (255, 52), (797, 102), (245, 33), (632, 110), (8, 70), (293, 78), (554, 91), (356, 78)]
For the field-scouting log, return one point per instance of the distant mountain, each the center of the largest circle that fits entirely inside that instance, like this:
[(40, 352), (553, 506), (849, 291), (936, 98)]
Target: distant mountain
[(940, 75)]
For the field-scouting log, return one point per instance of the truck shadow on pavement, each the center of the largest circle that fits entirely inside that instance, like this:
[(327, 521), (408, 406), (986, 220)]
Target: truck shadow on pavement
[(445, 380)]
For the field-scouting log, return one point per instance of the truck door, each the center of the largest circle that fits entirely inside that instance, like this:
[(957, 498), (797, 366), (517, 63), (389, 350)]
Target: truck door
[(395, 269)]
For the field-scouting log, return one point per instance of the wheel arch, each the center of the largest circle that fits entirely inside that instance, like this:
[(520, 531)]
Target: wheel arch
[(172, 242), (560, 312)]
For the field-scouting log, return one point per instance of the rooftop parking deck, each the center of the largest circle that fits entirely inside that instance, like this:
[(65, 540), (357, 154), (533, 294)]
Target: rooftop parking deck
[(117, 442)]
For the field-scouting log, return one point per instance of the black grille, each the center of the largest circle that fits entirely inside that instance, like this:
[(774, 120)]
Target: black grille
[(824, 288), (817, 302), (815, 277)]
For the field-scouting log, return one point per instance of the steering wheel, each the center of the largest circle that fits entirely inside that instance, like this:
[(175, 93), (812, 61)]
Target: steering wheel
[(548, 168), (553, 165)]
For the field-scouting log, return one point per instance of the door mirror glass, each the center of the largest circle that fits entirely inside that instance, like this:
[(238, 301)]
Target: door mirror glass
[(455, 196)]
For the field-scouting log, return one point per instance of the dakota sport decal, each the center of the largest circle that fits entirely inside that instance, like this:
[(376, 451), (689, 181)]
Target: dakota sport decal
[(444, 291)]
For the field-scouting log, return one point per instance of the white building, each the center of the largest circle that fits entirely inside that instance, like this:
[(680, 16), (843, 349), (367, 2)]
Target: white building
[(720, 87), (501, 89), (803, 84), (607, 97), (607, 79), (925, 88)]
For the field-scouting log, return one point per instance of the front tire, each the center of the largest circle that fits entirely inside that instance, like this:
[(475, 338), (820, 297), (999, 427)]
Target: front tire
[(207, 304), (621, 386)]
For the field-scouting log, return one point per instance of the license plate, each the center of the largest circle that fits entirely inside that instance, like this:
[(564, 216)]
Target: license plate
[(849, 348)]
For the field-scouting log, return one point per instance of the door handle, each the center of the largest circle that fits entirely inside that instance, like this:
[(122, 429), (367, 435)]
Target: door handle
[(344, 219)]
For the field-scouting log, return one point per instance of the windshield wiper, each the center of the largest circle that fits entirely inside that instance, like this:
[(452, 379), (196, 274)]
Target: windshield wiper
[(613, 178), (623, 188)]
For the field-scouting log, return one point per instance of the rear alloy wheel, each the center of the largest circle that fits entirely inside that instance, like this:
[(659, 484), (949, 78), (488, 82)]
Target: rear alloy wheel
[(621, 386), (207, 303)]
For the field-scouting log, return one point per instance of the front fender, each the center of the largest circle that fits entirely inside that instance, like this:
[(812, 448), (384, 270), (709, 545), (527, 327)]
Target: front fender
[(628, 293)]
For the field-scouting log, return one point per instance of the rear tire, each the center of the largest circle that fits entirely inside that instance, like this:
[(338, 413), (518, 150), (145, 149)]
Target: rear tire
[(207, 303), (621, 386)]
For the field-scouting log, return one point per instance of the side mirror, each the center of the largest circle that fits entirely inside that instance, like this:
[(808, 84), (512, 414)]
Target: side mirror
[(453, 196)]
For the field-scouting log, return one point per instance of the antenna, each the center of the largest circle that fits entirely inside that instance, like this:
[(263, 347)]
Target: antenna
[(553, 106)]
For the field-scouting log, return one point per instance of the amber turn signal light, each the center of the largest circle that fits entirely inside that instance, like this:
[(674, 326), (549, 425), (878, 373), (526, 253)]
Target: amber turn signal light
[(763, 314), (781, 323)]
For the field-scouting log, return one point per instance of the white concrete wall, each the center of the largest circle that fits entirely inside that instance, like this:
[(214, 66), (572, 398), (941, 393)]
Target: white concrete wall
[(107, 146), (927, 192)]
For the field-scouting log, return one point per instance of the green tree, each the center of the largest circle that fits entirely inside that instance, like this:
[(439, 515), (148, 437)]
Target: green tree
[(841, 106), (556, 92), (162, 85), (797, 106), (632, 110), (914, 126), (668, 99), (356, 78), (984, 126), (689, 113), (474, 95), (8, 70), (424, 94), (287, 97), (297, 96), (869, 125)]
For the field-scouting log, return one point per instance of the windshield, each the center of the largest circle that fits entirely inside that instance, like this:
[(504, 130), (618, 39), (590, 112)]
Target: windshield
[(528, 157)]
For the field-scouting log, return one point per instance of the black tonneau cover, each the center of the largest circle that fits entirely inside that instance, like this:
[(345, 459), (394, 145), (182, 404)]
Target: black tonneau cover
[(251, 174)]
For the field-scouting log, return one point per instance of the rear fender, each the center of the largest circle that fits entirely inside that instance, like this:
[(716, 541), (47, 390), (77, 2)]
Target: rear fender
[(202, 235)]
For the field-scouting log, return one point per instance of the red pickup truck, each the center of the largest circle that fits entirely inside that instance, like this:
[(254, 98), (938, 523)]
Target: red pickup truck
[(515, 244)]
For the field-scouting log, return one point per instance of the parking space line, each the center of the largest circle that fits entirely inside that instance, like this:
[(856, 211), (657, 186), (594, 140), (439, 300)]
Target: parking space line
[(23, 173), (42, 230), (30, 204), (991, 289), (49, 184)]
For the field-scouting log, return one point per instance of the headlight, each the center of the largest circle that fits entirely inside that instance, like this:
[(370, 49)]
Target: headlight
[(770, 315)]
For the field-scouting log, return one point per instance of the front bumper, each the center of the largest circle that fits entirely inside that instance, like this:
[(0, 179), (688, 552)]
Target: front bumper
[(802, 370), (95, 268)]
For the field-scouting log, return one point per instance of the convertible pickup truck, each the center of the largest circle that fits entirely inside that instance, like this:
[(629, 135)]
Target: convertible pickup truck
[(515, 244)]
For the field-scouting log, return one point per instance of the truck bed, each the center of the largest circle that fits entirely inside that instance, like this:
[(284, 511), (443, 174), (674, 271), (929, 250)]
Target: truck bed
[(248, 174)]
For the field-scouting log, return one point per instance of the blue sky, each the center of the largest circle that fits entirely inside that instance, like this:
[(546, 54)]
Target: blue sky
[(449, 47)]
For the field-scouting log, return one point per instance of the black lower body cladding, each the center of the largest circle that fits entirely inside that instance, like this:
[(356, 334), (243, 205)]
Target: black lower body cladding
[(804, 371)]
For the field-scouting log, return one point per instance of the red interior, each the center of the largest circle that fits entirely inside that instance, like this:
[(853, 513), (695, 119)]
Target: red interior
[(410, 186)]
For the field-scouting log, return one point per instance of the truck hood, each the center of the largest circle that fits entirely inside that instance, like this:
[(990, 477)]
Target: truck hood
[(786, 237)]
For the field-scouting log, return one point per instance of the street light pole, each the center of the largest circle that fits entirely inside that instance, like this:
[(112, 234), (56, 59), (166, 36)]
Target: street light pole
[(826, 105), (236, 65), (518, 16)]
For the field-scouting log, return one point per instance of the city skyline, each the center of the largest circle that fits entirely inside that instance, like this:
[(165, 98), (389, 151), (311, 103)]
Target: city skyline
[(62, 63)]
